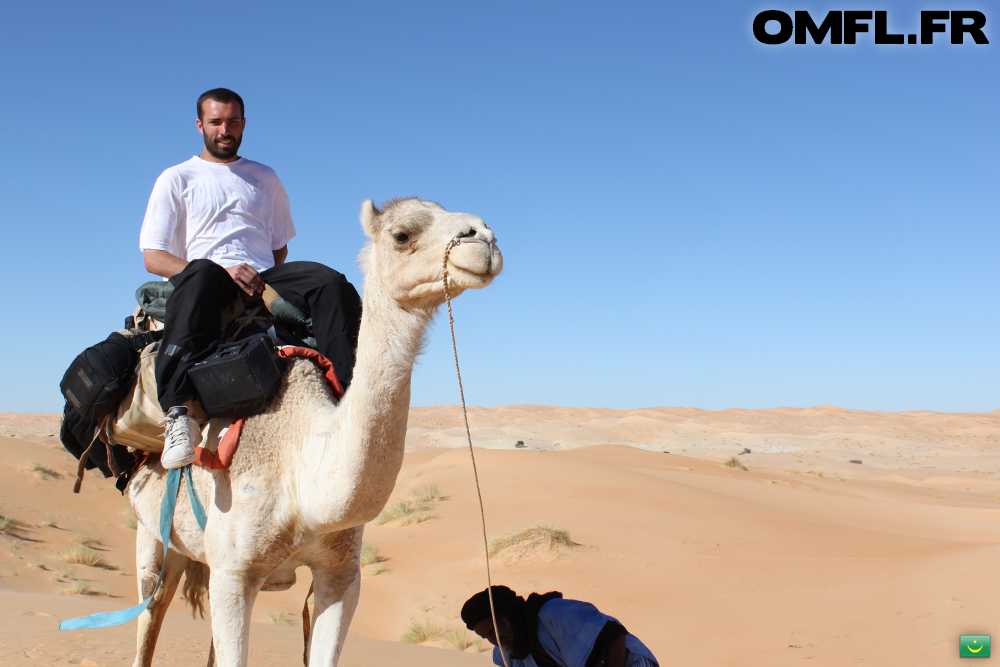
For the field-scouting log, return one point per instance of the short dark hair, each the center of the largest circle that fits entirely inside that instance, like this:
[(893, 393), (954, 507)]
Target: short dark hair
[(223, 96)]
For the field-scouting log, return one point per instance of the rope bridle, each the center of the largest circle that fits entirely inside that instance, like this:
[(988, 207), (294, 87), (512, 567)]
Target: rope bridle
[(465, 414)]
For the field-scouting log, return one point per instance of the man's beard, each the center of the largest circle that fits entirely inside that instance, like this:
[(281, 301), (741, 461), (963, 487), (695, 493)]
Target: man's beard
[(223, 152)]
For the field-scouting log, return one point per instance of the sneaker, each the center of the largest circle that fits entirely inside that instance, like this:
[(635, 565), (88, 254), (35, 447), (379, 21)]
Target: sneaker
[(182, 435)]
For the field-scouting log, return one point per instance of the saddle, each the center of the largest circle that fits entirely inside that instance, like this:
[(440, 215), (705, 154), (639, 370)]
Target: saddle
[(137, 422), (133, 429)]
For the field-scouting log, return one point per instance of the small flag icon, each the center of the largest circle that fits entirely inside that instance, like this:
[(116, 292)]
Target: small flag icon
[(974, 646)]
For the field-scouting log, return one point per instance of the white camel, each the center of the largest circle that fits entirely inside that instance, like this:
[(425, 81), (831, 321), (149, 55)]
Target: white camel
[(309, 474)]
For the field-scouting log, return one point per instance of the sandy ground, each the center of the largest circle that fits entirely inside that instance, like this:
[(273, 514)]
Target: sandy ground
[(804, 556)]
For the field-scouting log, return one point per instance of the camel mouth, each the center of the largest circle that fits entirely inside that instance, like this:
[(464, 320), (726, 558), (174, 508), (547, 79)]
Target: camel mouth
[(475, 259)]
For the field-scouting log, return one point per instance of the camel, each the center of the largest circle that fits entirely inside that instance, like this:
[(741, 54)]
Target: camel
[(310, 473)]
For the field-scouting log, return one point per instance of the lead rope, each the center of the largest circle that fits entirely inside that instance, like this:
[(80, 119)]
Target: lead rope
[(465, 414)]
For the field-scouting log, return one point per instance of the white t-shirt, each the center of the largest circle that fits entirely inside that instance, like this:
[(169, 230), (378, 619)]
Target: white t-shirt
[(230, 213)]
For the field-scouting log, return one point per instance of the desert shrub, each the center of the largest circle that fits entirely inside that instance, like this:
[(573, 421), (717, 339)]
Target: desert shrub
[(375, 571), (404, 512), (395, 512), (420, 632), (417, 517), (80, 588), (49, 521), (818, 473), (84, 555), (369, 554), (538, 533), (86, 540), (733, 462), (458, 640), (426, 494), (7, 525)]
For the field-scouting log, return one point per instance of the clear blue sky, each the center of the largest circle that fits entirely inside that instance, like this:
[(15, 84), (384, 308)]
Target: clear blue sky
[(687, 217)]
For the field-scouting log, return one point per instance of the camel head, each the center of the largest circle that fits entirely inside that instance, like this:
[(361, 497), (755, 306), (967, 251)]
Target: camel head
[(408, 238)]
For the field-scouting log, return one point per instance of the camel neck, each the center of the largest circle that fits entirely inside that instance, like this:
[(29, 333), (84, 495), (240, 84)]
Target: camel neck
[(372, 416)]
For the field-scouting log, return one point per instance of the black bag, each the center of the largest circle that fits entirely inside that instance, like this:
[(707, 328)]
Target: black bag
[(76, 435), (240, 379), (99, 377)]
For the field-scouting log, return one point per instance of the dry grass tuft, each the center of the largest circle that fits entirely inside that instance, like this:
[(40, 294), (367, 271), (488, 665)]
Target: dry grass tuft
[(417, 517), (818, 473), (733, 462), (399, 510), (414, 510), (539, 533), (130, 519), (40, 566), (426, 494), (375, 571), (458, 640), (404, 512), (80, 588), (86, 539), (84, 555), (7, 525), (420, 632), (280, 617), (50, 521), (44, 471), (369, 554)]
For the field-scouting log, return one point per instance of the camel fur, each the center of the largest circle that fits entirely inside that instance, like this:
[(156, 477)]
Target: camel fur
[(309, 474)]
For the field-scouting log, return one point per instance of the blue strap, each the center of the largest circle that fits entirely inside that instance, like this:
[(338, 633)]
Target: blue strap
[(196, 507), (110, 618)]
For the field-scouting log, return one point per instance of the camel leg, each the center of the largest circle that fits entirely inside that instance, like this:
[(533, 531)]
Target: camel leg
[(232, 590), (337, 588), (149, 559)]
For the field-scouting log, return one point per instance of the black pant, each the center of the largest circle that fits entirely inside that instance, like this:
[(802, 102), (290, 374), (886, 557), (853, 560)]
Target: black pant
[(202, 291)]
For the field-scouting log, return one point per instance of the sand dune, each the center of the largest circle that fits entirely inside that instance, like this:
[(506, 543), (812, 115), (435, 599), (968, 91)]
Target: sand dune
[(806, 555)]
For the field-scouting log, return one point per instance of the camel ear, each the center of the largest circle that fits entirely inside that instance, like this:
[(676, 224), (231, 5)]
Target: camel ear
[(371, 219)]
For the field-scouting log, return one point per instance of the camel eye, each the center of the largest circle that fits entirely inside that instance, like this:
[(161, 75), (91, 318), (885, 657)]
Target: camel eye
[(401, 238)]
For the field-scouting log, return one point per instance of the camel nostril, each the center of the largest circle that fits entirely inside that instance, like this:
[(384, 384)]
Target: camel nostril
[(470, 232)]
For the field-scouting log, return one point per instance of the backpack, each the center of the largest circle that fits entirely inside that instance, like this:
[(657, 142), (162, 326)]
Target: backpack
[(76, 436), (98, 379)]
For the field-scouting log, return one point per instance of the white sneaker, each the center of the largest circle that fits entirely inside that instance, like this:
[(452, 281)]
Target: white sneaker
[(182, 435)]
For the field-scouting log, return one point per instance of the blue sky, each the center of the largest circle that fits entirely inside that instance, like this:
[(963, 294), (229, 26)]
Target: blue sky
[(687, 217)]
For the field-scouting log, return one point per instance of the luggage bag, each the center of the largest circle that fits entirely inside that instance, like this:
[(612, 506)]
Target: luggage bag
[(240, 379)]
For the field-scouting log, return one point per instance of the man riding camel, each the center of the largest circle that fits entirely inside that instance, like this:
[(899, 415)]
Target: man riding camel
[(218, 227)]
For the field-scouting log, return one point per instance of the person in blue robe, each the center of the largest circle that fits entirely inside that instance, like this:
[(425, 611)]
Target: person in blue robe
[(550, 631)]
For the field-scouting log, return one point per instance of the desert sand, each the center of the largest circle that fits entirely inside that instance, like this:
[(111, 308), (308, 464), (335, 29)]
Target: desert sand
[(852, 538)]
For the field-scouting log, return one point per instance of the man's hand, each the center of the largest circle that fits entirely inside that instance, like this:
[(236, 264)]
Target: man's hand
[(248, 280)]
